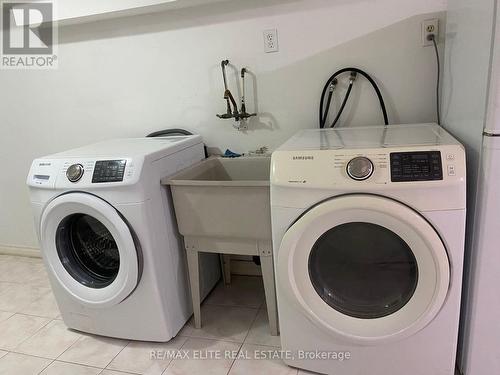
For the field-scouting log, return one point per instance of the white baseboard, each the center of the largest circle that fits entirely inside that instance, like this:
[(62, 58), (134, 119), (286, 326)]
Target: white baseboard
[(244, 267), (20, 251)]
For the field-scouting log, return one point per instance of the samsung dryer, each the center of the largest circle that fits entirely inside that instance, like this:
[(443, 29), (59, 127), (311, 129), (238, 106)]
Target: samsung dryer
[(368, 232), (108, 236)]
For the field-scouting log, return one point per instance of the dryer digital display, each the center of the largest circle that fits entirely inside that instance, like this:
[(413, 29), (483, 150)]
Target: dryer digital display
[(416, 166), (109, 171)]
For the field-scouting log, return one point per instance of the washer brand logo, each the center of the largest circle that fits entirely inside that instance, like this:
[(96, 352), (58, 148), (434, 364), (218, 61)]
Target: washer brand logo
[(28, 35), (303, 157)]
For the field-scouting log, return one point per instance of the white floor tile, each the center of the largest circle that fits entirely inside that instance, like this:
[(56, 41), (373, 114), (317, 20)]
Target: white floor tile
[(4, 315), (39, 277), (63, 368), (17, 258), (19, 296), (136, 357), (45, 306), (305, 372), (4, 286), (20, 364), (256, 364), (93, 351), (259, 332), (222, 322), (18, 328), (199, 348), (49, 342), (244, 291), (17, 271), (229, 316)]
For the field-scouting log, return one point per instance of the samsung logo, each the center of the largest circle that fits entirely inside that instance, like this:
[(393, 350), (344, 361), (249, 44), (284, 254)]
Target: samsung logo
[(303, 157)]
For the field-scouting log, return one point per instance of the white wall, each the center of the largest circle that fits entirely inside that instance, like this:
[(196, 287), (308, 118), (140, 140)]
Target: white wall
[(130, 76)]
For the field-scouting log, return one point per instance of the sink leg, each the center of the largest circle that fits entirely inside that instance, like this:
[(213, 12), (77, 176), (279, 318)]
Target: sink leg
[(194, 282), (270, 291), (226, 262)]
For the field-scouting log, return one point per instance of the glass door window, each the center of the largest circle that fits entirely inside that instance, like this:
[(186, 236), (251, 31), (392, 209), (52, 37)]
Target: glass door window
[(364, 267), (87, 250), (90, 249), (363, 270)]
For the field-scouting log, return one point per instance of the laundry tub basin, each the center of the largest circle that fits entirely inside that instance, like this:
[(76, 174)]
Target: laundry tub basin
[(222, 197)]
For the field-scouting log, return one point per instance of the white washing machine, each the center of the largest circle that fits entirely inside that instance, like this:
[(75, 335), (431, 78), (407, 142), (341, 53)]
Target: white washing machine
[(368, 234), (108, 236)]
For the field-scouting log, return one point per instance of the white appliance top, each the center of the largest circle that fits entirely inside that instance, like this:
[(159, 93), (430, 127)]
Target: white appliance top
[(104, 164), (369, 137), (421, 164), (130, 147)]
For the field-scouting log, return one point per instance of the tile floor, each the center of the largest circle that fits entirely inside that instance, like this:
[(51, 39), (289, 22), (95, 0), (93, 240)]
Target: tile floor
[(34, 339)]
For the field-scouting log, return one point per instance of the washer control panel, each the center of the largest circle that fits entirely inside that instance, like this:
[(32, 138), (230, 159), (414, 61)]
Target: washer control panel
[(109, 171), (84, 172), (416, 166)]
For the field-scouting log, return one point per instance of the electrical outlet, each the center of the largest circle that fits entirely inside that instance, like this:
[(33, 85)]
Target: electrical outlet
[(270, 40), (429, 27)]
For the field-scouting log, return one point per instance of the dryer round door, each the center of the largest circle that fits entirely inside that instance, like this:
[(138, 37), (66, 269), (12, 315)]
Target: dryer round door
[(89, 249), (364, 268)]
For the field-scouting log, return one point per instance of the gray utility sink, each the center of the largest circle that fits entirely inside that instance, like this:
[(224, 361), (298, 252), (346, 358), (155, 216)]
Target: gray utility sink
[(222, 197), (222, 206)]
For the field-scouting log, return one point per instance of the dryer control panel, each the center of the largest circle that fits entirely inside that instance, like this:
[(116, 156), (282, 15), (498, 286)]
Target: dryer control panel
[(416, 166), (408, 167)]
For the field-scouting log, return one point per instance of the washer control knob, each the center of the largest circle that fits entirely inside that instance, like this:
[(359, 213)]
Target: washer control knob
[(360, 168), (75, 172)]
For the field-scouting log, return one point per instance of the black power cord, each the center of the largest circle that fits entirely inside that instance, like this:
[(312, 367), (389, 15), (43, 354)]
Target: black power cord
[(328, 86), (438, 78)]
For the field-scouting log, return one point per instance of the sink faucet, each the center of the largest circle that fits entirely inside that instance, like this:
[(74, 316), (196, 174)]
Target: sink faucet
[(244, 114), (233, 112), (228, 96)]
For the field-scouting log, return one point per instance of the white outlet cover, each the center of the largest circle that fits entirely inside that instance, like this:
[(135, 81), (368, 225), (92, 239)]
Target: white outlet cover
[(271, 40), (433, 23)]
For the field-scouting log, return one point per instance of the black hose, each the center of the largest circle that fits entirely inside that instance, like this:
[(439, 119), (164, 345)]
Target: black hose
[(163, 133), (343, 104), (323, 117), (328, 102), (171, 132), (364, 74)]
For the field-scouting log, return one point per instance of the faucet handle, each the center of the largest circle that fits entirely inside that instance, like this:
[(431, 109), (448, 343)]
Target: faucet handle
[(225, 116)]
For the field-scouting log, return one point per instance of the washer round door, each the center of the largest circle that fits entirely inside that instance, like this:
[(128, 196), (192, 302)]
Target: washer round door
[(364, 268), (89, 249)]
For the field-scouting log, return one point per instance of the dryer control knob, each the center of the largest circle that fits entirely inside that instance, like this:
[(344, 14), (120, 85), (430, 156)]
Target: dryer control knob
[(360, 168), (75, 172)]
